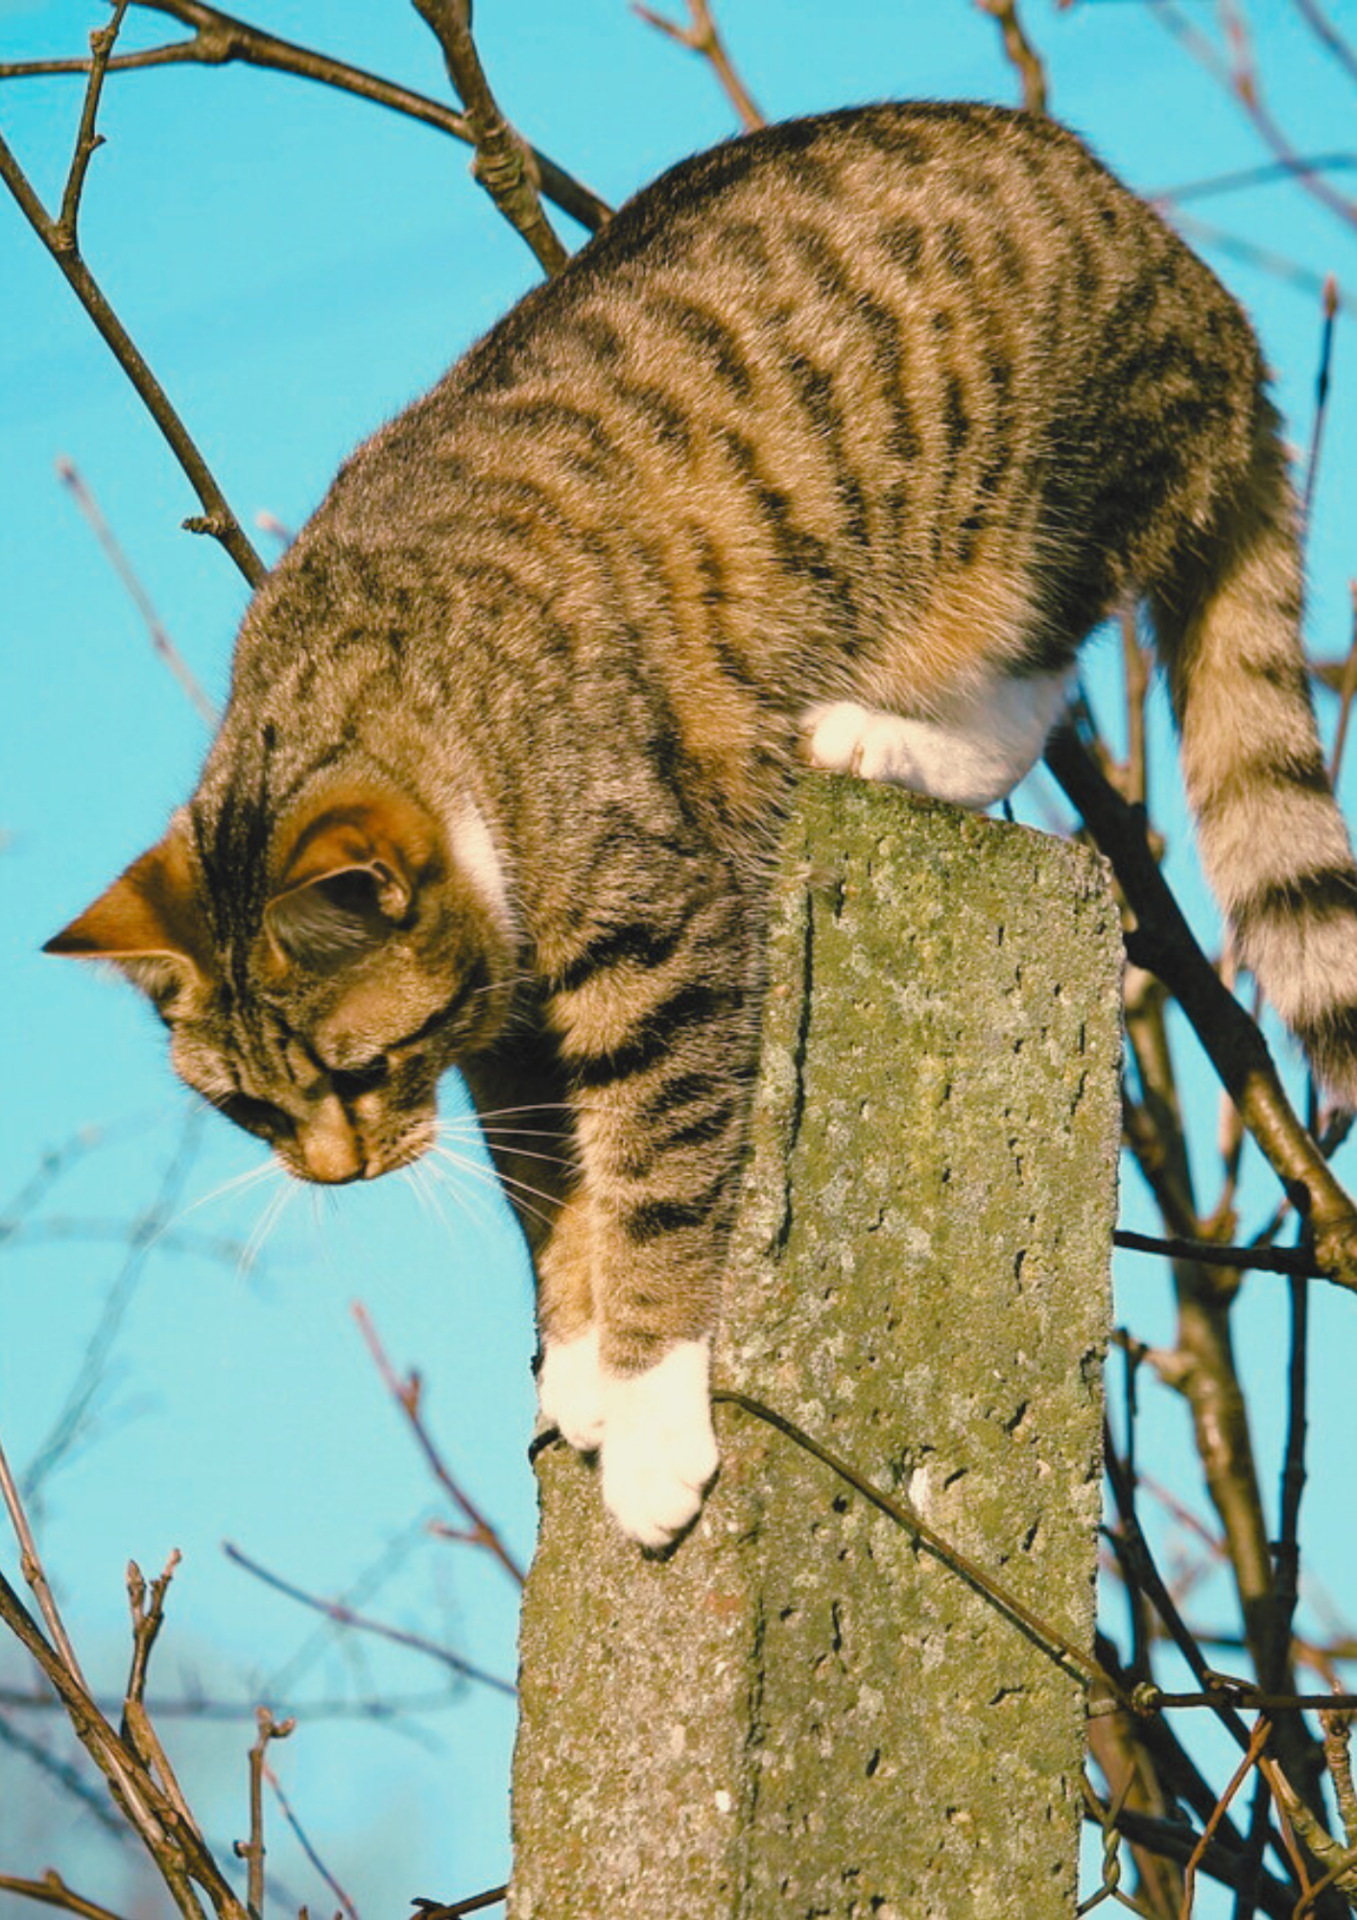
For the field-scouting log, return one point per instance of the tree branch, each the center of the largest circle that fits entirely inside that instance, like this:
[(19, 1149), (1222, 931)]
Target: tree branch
[(219, 39), (1163, 943), (59, 236), (503, 162), (1023, 56), (701, 36)]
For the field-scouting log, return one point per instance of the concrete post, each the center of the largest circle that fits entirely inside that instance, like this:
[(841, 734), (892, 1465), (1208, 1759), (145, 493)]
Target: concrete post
[(800, 1712)]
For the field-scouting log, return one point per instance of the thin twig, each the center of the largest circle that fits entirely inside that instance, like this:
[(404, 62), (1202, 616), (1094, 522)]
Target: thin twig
[(220, 39), (1209, 1254), (1238, 75), (406, 1393), (285, 1808), (252, 1851), (217, 518), (141, 1239), (1255, 1747), (194, 1706), (476, 1903), (177, 1850), (1279, 266), (1241, 178), (1163, 943), (65, 1774), (1022, 55), (52, 1891), (1174, 1842), (87, 138), (701, 36), (1329, 36), (1058, 1645), (1321, 397), (34, 1573), (70, 477), (503, 162), (343, 1616)]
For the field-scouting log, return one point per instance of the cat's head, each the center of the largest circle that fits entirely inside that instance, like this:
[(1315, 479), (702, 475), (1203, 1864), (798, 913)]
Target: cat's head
[(316, 979)]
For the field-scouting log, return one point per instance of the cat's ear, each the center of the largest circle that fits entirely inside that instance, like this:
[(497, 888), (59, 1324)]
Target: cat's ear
[(351, 879), (149, 923)]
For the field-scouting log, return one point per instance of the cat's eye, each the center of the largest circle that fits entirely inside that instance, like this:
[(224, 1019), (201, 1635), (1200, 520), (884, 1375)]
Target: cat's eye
[(349, 1082), (259, 1117)]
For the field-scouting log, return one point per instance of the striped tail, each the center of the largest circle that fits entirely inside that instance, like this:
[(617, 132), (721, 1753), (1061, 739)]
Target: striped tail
[(1272, 839)]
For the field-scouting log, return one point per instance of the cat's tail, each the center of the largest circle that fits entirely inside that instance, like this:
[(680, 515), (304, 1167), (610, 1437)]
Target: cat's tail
[(1272, 839)]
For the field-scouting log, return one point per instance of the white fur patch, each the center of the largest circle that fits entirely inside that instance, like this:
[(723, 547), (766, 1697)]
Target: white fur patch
[(474, 854), (659, 1451), (971, 759), (570, 1390)]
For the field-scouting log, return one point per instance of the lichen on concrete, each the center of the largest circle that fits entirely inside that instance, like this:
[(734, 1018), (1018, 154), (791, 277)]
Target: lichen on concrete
[(801, 1712)]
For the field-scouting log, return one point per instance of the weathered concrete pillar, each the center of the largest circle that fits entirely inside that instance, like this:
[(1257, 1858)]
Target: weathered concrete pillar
[(801, 1713)]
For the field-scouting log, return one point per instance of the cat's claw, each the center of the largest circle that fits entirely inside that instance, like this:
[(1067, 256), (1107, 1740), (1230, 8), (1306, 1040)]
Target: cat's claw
[(570, 1390), (659, 1450)]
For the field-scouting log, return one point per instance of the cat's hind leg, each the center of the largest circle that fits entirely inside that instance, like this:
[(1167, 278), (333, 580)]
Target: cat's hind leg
[(972, 757)]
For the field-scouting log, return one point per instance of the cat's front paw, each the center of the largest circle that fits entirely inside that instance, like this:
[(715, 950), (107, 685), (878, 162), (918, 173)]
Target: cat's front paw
[(659, 1451), (570, 1390), (847, 738)]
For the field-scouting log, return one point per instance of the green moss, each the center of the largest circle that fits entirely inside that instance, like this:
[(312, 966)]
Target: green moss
[(800, 1712)]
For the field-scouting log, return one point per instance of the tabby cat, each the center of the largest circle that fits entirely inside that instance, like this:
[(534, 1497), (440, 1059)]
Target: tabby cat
[(832, 446)]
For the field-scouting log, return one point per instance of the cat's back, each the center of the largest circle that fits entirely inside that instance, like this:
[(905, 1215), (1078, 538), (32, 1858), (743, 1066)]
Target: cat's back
[(904, 323)]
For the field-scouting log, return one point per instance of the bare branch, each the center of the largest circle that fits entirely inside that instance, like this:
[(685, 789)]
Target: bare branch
[(303, 1840), (219, 38), (1329, 36), (52, 1891), (1239, 77), (1239, 178), (87, 139), (406, 1394), (701, 36), (1023, 56), (252, 1850), (70, 477), (1321, 397), (1163, 943), (343, 1616), (503, 162), (477, 1903), (1251, 1757), (217, 518)]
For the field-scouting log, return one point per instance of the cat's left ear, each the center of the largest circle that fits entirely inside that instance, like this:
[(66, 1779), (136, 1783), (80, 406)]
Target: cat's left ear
[(351, 880), (149, 923)]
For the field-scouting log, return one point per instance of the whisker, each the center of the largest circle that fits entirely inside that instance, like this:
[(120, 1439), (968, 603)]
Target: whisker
[(419, 1177), (490, 1176), (470, 1204), (533, 1106), (238, 1183), (482, 1176), (512, 1134), (263, 1227)]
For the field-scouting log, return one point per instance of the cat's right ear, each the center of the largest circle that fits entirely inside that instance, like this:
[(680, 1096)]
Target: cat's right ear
[(149, 923)]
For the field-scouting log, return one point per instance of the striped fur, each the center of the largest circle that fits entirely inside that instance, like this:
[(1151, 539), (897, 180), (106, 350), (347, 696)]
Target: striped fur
[(834, 444)]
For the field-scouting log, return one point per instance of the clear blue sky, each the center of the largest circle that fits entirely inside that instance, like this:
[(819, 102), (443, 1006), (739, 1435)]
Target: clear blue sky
[(296, 265)]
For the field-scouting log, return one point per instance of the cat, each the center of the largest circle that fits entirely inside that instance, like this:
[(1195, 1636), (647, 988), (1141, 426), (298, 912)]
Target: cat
[(832, 446)]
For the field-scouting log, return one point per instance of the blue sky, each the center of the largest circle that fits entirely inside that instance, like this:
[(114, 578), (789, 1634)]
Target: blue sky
[(296, 265)]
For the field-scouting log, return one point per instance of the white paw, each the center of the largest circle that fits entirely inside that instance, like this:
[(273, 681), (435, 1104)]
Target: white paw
[(659, 1451), (570, 1389), (846, 738)]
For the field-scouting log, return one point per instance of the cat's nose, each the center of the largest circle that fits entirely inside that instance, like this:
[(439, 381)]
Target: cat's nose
[(329, 1146)]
